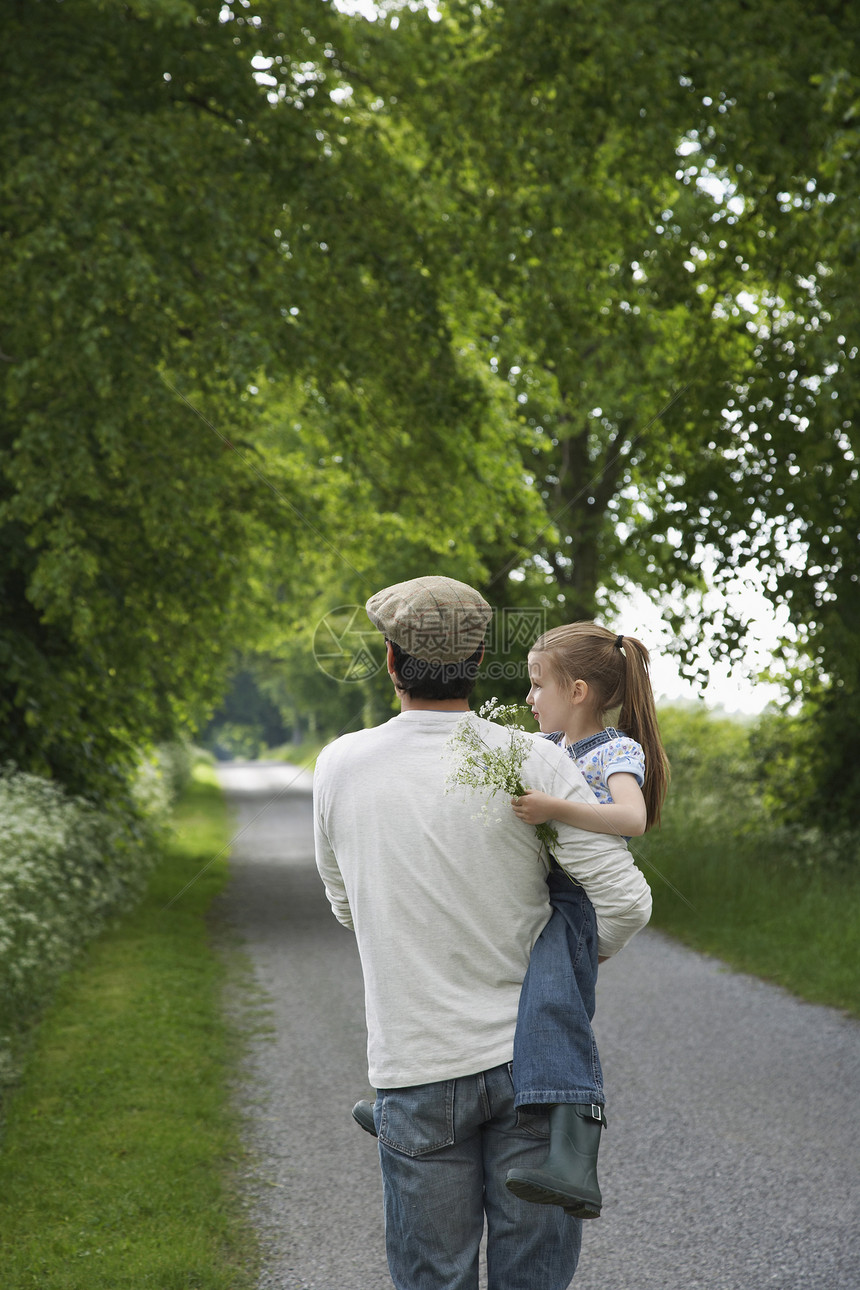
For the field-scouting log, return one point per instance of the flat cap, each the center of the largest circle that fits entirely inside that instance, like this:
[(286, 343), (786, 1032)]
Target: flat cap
[(435, 619)]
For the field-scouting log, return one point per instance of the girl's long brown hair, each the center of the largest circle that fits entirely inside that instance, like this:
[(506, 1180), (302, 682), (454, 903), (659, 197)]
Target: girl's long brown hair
[(616, 670)]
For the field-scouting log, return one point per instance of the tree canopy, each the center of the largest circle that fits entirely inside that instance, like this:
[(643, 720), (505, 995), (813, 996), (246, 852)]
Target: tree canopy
[(203, 408), (649, 208), (557, 297)]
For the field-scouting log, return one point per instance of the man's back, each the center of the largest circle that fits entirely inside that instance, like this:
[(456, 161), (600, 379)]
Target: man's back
[(446, 901)]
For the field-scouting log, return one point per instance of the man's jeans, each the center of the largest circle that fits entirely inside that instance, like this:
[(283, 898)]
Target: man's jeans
[(555, 1055), (445, 1150)]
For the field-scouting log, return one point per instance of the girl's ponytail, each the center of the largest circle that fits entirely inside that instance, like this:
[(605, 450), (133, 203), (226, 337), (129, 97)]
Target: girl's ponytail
[(638, 719)]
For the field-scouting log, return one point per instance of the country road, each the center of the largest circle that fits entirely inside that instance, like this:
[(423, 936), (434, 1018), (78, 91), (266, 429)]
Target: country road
[(732, 1158)]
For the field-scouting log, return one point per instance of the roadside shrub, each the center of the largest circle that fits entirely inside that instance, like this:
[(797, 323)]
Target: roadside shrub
[(161, 777), (243, 740), (66, 867), (712, 767), (738, 781)]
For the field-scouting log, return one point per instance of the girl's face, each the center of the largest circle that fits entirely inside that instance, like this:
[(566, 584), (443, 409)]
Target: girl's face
[(549, 702)]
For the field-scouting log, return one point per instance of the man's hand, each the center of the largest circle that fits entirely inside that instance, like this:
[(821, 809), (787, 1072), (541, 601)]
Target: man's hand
[(534, 808)]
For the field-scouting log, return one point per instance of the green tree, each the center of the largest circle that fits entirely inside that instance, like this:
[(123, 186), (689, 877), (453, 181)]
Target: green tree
[(224, 371), (621, 190), (551, 296), (136, 226), (648, 215)]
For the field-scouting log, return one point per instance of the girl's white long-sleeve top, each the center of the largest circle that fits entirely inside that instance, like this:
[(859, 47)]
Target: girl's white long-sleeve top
[(446, 900)]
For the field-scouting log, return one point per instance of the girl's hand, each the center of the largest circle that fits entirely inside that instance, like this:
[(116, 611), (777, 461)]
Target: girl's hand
[(533, 807)]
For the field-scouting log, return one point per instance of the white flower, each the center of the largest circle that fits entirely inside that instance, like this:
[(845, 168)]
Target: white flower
[(493, 768)]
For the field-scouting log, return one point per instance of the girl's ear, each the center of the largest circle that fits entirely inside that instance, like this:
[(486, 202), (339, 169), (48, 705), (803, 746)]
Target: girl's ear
[(579, 692)]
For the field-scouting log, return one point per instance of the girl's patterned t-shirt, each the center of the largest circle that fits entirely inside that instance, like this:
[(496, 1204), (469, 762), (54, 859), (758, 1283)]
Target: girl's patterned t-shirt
[(605, 754)]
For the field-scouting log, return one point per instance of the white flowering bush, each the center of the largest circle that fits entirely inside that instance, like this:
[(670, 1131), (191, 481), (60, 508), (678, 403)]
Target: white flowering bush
[(65, 868)]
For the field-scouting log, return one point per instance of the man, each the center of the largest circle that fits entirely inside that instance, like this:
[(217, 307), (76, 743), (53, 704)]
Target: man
[(446, 904)]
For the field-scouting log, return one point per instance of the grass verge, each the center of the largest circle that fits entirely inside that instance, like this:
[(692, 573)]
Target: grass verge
[(118, 1149), (797, 927), (304, 754), (730, 879)]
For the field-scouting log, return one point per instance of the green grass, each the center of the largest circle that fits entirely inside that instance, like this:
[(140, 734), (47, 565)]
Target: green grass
[(120, 1148), (304, 754), (758, 908)]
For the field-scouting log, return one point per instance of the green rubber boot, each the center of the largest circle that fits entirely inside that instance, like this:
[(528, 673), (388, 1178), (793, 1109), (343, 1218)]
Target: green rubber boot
[(362, 1113), (568, 1176)]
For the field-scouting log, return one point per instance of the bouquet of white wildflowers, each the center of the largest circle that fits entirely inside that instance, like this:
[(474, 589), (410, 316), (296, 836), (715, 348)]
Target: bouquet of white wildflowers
[(477, 764)]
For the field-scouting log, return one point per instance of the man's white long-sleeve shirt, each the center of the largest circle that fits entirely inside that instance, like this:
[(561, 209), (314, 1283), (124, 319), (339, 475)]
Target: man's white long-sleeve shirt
[(446, 901)]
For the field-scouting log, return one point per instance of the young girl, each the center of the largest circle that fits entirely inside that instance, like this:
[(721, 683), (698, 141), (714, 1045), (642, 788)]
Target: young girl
[(578, 674)]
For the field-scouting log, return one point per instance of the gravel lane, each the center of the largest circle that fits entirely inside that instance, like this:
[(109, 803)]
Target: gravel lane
[(731, 1158)]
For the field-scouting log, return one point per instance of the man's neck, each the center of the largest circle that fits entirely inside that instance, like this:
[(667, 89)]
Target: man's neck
[(408, 704)]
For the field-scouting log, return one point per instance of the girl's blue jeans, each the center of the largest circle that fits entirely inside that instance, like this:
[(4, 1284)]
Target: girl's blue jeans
[(555, 1054)]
